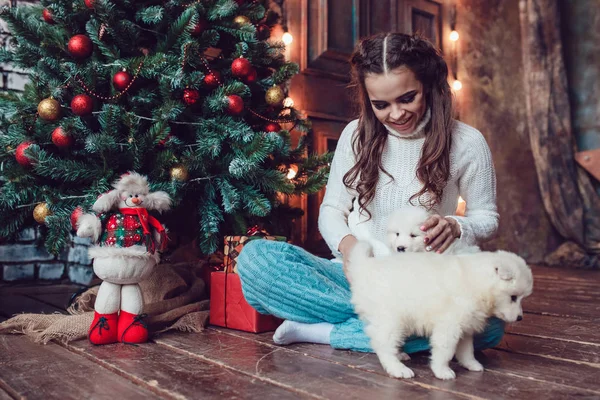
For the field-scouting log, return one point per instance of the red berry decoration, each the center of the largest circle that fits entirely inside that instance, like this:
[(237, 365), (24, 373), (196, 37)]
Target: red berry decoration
[(78, 212), (263, 32), (20, 155), (82, 104), (80, 46), (212, 80), (121, 80), (236, 104), (251, 77), (90, 3), (190, 96), (61, 138), (199, 27), (241, 67), (163, 142), (272, 127), (47, 15)]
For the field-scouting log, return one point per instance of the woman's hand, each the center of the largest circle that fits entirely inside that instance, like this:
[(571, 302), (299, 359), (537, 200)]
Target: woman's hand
[(441, 232), (345, 248)]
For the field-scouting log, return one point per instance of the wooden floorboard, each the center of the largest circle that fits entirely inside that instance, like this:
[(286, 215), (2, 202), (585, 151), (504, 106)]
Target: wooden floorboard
[(487, 384), (580, 330), (50, 372), (311, 376), (18, 303), (177, 375)]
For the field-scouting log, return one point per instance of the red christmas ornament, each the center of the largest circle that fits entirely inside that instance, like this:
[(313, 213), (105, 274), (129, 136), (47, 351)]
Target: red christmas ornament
[(251, 77), (241, 67), (20, 155), (61, 138), (199, 27), (82, 104), (236, 104), (263, 32), (213, 79), (272, 127), (190, 96), (90, 3), (47, 15), (80, 46), (78, 212), (121, 80)]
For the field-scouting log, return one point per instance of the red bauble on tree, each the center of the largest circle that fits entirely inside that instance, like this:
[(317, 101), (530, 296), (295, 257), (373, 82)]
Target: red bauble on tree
[(121, 80), (241, 67), (90, 3), (47, 15), (236, 104), (80, 46), (22, 159), (82, 104), (251, 77), (272, 127), (61, 139), (78, 212), (213, 79), (263, 32), (191, 96), (200, 27)]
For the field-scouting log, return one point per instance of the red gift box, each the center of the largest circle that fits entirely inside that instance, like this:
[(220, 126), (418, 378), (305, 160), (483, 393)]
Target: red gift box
[(229, 309)]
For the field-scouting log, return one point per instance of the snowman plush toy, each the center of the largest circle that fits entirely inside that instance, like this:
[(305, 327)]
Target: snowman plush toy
[(126, 240)]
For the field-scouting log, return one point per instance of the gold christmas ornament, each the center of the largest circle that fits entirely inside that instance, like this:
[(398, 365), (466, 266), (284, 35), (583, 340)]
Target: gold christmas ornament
[(179, 173), (40, 212), (49, 109), (241, 20), (274, 95)]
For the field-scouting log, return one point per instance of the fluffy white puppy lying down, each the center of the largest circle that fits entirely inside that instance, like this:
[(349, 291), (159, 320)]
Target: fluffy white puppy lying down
[(447, 298), (404, 234)]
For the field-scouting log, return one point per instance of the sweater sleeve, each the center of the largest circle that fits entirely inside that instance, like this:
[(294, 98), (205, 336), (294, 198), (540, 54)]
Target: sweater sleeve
[(477, 187), (337, 203)]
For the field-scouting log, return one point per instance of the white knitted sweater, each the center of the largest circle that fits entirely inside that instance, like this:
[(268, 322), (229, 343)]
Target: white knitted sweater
[(472, 177)]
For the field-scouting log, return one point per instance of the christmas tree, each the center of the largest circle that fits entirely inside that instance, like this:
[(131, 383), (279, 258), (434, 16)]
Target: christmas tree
[(189, 93)]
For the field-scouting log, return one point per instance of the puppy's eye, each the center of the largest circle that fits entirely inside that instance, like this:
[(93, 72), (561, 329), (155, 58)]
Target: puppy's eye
[(513, 298), (413, 236), (397, 233)]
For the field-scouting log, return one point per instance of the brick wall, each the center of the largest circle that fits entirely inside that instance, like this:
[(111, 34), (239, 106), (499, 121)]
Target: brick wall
[(25, 260)]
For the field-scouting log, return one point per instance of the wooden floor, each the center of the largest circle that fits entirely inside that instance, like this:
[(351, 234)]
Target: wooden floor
[(554, 353)]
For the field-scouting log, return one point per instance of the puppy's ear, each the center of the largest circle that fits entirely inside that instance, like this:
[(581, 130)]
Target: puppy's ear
[(505, 272)]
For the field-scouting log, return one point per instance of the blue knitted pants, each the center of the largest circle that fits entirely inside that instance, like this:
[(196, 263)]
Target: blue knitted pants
[(287, 281)]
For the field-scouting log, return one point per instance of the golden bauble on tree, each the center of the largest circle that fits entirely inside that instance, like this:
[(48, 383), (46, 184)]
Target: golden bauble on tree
[(40, 212), (49, 109), (179, 173), (274, 95), (241, 20)]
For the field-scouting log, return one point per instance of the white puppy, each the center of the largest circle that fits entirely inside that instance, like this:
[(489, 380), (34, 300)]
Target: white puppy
[(404, 233), (447, 298)]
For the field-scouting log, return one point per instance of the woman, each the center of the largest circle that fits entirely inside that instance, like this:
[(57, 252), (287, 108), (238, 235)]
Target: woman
[(405, 148)]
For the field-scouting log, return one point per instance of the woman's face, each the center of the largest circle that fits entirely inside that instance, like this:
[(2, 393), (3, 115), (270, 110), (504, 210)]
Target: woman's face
[(397, 99)]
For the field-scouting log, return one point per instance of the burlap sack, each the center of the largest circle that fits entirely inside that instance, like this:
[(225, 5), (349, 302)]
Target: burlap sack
[(174, 295)]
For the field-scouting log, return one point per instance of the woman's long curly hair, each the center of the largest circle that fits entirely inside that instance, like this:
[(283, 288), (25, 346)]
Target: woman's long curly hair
[(426, 62)]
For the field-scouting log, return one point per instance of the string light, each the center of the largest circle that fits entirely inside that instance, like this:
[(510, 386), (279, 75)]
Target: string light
[(454, 36), (292, 172), (288, 102), (287, 38), (456, 85)]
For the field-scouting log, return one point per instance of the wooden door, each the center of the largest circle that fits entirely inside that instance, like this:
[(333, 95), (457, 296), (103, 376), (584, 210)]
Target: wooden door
[(325, 33)]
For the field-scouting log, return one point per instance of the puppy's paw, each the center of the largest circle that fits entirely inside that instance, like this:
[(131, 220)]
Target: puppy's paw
[(404, 357), (472, 365), (445, 372), (399, 371)]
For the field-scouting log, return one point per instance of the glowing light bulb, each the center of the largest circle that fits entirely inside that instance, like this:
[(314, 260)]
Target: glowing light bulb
[(456, 85), (292, 171), (288, 102), (454, 36), (461, 207), (287, 38)]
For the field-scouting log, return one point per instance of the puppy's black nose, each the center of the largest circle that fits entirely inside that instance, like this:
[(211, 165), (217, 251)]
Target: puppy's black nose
[(520, 317), (401, 249)]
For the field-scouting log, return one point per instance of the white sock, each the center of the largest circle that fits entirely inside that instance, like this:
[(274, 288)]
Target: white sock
[(293, 332)]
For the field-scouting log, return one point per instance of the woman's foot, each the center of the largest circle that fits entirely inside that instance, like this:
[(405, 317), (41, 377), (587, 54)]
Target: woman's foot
[(294, 332)]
